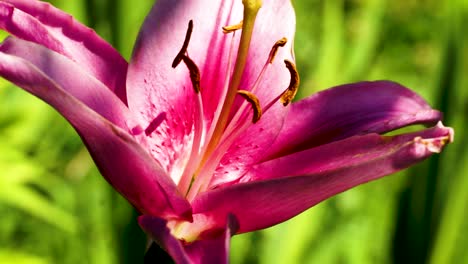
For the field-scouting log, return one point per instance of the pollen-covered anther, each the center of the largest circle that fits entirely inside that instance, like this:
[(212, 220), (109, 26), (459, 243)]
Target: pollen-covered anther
[(254, 102), (289, 94), (194, 72), (274, 49), (232, 28), (183, 50)]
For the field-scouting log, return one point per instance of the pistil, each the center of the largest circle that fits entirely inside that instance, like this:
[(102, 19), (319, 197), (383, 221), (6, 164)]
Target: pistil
[(251, 8)]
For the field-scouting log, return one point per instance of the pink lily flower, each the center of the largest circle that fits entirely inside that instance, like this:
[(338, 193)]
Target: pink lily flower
[(198, 131)]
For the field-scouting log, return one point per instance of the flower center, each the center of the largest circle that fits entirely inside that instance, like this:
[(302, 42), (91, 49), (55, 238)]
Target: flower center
[(211, 145)]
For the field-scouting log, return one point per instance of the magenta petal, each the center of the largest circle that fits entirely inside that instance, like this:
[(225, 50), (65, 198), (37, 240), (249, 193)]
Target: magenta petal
[(215, 249), (156, 91), (122, 161), (250, 147), (44, 24), (152, 80), (351, 109), (157, 229), (211, 250), (71, 77), (134, 173), (342, 165)]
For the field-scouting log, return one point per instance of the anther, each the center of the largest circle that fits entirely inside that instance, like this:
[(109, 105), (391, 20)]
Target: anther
[(183, 50), (274, 49), (232, 28), (194, 73), (254, 102), (289, 94)]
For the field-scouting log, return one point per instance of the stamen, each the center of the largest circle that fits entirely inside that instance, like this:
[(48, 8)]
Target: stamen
[(280, 43), (186, 177), (253, 100), (232, 28), (274, 49), (183, 50), (194, 73), (289, 94)]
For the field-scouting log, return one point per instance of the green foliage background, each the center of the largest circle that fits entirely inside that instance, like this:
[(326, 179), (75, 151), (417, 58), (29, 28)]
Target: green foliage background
[(56, 208)]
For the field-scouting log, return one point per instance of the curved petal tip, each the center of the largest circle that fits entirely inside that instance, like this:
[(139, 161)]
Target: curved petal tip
[(436, 144)]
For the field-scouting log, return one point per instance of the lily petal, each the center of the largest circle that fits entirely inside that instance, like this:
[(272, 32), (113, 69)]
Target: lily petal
[(159, 94), (122, 161), (155, 88), (211, 250), (351, 109), (162, 36), (343, 165), (249, 147), (44, 24), (157, 229), (72, 78)]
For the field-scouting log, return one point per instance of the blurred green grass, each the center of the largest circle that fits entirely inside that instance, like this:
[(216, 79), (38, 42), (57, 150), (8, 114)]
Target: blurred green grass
[(55, 208)]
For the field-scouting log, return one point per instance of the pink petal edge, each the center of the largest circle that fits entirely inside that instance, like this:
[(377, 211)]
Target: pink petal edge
[(76, 81), (44, 24), (348, 110), (276, 200)]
